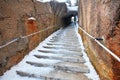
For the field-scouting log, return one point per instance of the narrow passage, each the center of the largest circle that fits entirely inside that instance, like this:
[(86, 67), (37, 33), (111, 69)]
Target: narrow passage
[(60, 57)]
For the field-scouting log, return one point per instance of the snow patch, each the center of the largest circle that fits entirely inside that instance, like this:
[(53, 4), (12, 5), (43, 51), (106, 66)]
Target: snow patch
[(31, 18)]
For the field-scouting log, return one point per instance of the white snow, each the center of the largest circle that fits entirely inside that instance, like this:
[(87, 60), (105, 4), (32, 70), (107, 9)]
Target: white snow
[(73, 2), (72, 8), (31, 18)]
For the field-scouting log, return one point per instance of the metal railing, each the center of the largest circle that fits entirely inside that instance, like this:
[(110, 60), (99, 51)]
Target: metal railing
[(22, 37), (109, 51)]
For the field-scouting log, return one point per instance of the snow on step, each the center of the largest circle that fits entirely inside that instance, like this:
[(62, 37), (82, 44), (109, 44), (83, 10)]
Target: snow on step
[(60, 51), (40, 77), (63, 44), (46, 61), (56, 43), (67, 58), (71, 48)]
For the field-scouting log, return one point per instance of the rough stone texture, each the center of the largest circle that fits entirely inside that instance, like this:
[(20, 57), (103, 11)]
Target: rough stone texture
[(14, 23), (101, 19)]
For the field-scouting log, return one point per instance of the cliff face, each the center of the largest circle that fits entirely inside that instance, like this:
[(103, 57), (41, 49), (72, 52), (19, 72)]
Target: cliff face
[(101, 19), (15, 22)]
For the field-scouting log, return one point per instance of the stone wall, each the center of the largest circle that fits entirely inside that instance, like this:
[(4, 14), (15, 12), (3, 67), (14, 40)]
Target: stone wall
[(14, 23), (101, 19)]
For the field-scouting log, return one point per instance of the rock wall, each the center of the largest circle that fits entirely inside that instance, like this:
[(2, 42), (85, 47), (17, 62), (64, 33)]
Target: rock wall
[(15, 22), (101, 19)]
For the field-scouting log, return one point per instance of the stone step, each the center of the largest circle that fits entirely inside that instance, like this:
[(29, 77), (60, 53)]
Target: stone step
[(24, 74), (61, 52), (55, 75), (64, 66), (39, 64), (76, 49), (52, 41), (52, 46), (55, 39), (43, 77), (49, 43), (66, 40), (74, 67), (62, 44), (67, 76), (67, 58)]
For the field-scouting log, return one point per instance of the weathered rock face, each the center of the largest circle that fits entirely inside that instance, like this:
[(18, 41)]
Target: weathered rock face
[(101, 18), (14, 23)]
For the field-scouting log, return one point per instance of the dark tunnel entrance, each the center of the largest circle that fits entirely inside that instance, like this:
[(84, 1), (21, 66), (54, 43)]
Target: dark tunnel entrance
[(72, 16)]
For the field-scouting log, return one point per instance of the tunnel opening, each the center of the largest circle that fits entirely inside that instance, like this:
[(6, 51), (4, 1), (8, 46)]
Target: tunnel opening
[(72, 14), (71, 17), (67, 19)]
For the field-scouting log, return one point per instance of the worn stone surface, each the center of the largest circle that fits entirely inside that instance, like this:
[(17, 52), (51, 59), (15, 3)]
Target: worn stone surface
[(14, 23), (101, 19), (66, 57)]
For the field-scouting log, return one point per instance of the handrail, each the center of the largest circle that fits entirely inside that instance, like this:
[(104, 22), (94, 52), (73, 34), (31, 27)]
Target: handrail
[(8, 43), (109, 51), (36, 32), (22, 37)]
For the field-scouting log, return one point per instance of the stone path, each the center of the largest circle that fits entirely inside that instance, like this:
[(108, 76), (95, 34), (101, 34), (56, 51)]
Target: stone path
[(60, 58)]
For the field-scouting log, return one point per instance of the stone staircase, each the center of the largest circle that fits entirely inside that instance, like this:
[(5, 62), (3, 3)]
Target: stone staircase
[(60, 58)]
